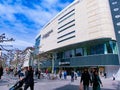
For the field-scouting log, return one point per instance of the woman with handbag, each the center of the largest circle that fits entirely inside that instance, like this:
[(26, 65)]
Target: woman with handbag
[(96, 81)]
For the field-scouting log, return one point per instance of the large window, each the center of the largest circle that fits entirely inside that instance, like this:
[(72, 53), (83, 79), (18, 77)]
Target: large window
[(98, 49), (68, 54), (60, 55), (37, 41), (109, 47), (37, 44), (79, 52)]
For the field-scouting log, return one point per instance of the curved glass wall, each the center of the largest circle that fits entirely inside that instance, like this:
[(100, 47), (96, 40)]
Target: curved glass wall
[(105, 48)]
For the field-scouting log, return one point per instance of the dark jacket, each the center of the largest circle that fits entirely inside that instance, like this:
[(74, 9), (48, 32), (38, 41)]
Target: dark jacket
[(29, 77), (85, 78), (1, 71), (96, 80)]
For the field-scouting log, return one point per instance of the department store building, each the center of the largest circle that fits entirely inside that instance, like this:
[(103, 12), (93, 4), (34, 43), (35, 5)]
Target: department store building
[(84, 34)]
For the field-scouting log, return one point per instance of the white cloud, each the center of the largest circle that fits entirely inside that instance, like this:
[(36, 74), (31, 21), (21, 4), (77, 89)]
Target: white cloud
[(19, 44), (43, 13)]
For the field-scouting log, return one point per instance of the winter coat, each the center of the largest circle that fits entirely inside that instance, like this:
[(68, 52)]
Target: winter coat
[(96, 82), (1, 71), (29, 77), (85, 78)]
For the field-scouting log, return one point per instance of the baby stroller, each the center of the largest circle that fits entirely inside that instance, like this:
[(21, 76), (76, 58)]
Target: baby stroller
[(18, 85)]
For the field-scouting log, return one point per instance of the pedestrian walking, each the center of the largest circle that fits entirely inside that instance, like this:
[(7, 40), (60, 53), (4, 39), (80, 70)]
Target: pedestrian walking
[(76, 75), (36, 72), (60, 74), (29, 81), (85, 78), (39, 73), (96, 81), (65, 74), (113, 76), (1, 71), (105, 75), (72, 76)]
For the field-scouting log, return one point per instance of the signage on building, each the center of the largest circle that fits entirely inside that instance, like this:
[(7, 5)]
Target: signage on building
[(47, 34), (64, 63)]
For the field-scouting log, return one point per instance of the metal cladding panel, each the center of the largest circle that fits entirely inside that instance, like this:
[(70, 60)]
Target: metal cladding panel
[(115, 11), (95, 60)]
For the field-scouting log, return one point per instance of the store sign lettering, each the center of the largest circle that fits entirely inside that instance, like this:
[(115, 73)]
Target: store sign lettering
[(64, 63), (47, 34)]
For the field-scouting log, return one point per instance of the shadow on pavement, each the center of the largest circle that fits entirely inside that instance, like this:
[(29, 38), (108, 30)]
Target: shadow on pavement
[(2, 83), (76, 87), (68, 87), (117, 85)]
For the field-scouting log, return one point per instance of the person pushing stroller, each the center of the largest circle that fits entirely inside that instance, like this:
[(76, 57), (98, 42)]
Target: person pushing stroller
[(18, 85)]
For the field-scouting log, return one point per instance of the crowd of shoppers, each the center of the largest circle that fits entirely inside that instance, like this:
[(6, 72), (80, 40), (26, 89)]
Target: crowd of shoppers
[(87, 78)]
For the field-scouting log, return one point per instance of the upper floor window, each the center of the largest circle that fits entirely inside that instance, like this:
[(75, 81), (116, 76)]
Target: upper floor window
[(37, 41), (79, 52), (68, 54), (113, 3), (118, 24), (98, 49), (116, 9), (119, 32), (117, 16)]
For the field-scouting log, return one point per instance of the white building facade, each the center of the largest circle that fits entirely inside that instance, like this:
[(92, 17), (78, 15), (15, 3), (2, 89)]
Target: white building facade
[(82, 35)]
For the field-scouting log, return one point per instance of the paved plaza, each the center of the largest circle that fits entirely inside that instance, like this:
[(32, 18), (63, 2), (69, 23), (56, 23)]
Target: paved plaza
[(44, 84)]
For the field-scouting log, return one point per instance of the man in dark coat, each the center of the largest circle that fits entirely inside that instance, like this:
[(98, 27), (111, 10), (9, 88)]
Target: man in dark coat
[(85, 78), (1, 71), (29, 81)]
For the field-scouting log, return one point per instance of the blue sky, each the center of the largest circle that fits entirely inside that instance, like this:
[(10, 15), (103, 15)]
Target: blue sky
[(23, 19)]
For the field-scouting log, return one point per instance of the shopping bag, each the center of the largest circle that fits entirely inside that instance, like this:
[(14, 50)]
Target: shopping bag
[(81, 86)]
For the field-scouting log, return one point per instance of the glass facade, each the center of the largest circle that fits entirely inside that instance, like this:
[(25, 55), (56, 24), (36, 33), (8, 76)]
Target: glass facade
[(79, 52), (98, 49), (37, 44), (105, 48)]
